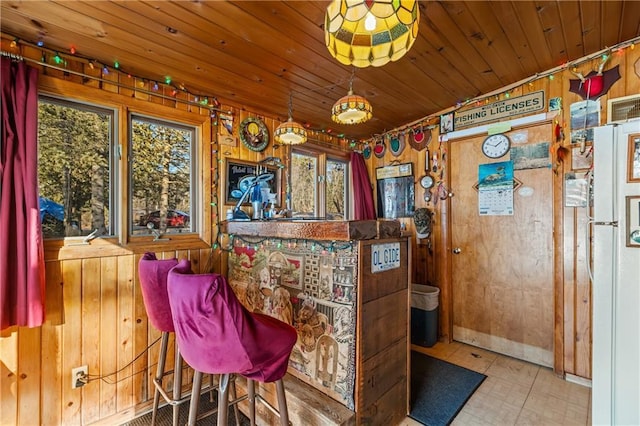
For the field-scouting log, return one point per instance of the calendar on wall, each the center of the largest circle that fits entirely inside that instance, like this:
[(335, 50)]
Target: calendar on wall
[(495, 189)]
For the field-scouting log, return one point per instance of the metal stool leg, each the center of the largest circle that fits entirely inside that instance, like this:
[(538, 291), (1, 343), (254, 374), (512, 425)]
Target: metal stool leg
[(212, 387), (282, 403), (251, 393), (223, 398), (195, 398), (234, 397), (177, 384), (162, 357)]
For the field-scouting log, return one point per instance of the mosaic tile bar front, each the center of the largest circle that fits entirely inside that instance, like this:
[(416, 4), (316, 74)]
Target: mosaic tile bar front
[(315, 291)]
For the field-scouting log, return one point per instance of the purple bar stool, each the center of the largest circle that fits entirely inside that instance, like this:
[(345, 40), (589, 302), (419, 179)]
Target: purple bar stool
[(217, 335), (153, 282)]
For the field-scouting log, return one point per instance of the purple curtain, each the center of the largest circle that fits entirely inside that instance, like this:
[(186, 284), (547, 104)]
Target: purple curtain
[(362, 192), (22, 277)]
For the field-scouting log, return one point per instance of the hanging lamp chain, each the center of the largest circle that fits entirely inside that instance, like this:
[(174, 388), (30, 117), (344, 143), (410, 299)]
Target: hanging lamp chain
[(353, 73), (290, 106)]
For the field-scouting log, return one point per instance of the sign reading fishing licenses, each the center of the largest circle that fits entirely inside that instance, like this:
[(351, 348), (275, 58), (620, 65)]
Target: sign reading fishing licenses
[(385, 257), (530, 102)]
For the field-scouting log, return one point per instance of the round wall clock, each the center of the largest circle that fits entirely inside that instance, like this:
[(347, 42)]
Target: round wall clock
[(495, 146), (426, 181), (254, 134)]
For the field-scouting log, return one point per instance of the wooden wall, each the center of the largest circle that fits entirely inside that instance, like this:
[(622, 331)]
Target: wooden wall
[(95, 314), (572, 340)]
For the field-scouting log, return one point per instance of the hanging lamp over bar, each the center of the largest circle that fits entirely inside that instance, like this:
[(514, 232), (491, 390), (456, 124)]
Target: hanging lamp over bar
[(290, 132), (351, 109), (366, 33)]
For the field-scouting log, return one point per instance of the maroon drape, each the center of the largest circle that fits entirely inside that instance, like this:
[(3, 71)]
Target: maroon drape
[(364, 207), (22, 276)]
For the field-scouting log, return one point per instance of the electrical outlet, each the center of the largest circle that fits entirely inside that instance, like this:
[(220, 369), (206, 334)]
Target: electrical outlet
[(79, 376)]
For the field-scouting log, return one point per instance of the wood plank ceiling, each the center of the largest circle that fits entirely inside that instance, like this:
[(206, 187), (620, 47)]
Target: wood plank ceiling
[(257, 53)]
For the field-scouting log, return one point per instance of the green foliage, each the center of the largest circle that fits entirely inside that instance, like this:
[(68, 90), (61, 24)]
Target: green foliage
[(335, 189), (304, 171), (73, 149), (161, 165), (76, 159), (303, 184)]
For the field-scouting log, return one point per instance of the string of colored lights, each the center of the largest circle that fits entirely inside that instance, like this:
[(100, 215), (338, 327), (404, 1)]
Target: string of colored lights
[(322, 247), (507, 90), (59, 62)]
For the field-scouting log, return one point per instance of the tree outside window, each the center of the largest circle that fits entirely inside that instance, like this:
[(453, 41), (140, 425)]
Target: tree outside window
[(318, 185), (161, 176), (75, 175)]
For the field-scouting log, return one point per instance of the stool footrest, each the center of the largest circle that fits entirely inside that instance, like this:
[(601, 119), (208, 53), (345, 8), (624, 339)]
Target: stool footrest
[(266, 403), (215, 410)]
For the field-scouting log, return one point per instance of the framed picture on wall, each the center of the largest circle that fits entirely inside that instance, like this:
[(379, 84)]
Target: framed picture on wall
[(581, 158), (238, 176), (633, 221), (446, 123), (633, 158)]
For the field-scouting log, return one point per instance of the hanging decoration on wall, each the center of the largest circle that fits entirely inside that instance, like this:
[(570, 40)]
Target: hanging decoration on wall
[(366, 152), (254, 134), (396, 144), (420, 138), (596, 83), (225, 130), (380, 148)]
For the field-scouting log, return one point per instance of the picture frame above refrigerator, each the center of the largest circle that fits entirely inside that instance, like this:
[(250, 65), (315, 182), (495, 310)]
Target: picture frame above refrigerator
[(633, 158)]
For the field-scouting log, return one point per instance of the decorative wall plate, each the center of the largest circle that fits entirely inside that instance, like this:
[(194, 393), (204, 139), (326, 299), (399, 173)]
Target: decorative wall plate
[(420, 138), (254, 134), (366, 152), (379, 149), (396, 144)]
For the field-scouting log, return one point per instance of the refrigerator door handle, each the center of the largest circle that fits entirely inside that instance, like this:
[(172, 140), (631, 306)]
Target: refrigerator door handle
[(613, 223)]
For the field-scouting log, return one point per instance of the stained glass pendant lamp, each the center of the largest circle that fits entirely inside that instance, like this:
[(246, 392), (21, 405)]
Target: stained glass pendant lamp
[(366, 33), (290, 132), (351, 109)]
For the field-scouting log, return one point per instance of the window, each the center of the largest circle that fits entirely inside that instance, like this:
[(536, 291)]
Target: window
[(335, 189), (76, 175), (319, 185), (83, 186), (162, 177)]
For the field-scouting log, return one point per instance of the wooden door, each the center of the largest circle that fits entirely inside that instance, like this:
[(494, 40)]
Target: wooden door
[(502, 266)]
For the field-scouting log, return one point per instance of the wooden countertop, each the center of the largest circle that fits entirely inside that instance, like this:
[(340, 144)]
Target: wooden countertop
[(330, 230)]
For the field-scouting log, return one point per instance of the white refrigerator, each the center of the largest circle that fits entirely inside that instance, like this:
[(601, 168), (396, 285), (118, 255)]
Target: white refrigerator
[(616, 277)]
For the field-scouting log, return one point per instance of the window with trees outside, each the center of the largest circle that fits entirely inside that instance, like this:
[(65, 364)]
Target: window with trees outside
[(161, 176), (76, 175), (79, 180), (319, 185)]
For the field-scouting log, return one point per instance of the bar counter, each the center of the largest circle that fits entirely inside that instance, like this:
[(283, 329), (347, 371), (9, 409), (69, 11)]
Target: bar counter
[(344, 286)]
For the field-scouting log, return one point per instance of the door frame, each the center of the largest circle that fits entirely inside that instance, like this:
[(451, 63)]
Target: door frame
[(558, 238)]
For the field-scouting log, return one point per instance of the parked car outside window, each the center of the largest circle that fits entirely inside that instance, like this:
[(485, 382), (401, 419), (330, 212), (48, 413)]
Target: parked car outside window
[(175, 219)]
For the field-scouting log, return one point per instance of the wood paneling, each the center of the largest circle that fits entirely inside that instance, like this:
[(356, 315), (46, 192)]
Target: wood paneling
[(36, 363), (382, 358), (95, 312), (255, 54)]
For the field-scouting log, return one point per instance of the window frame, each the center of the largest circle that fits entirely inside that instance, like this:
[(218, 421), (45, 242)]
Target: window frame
[(322, 156), (123, 243), (194, 166), (114, 177)]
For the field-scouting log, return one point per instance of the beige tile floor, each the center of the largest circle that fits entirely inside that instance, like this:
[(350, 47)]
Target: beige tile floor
[(515, 392)]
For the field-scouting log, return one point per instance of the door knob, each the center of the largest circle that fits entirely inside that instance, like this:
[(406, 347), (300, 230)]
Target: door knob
[(456, 250)]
